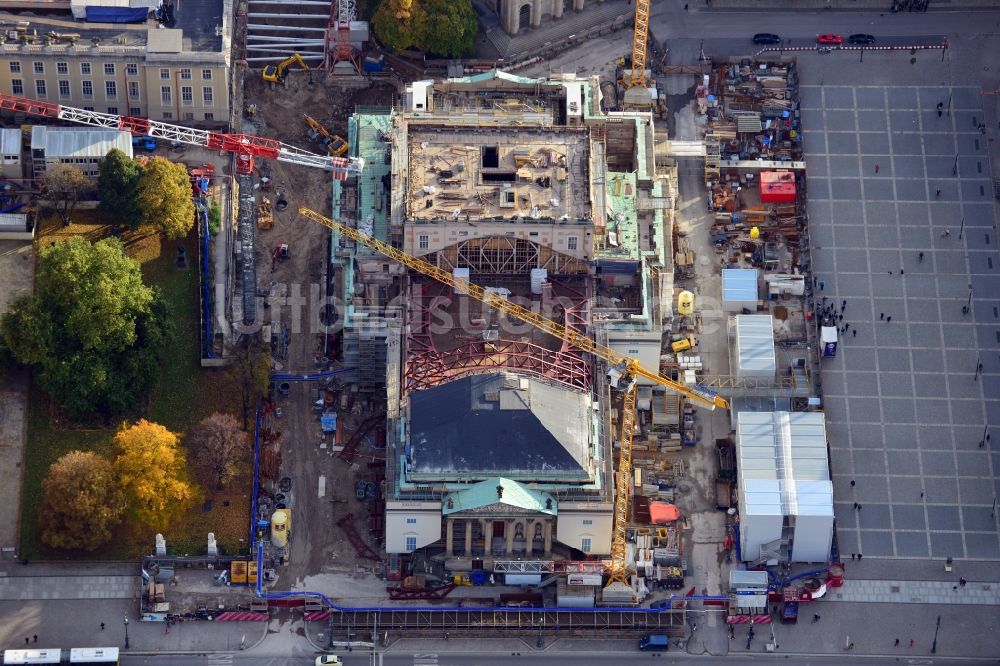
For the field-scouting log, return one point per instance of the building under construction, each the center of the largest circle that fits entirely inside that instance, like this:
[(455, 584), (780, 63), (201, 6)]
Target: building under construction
[(500, 437)]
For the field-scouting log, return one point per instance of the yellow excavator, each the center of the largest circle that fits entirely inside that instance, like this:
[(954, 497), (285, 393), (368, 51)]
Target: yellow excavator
[(622, 373), (335, 144), (276, 73)]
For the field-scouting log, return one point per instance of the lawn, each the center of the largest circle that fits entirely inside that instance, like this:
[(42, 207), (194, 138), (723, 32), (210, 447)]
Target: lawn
[(185, 394)]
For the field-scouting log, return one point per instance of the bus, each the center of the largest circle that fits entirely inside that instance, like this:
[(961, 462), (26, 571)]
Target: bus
[(98, 655)]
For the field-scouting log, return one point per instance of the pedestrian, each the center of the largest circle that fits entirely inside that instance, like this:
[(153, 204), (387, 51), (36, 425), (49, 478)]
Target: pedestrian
[(859, 509), (911, 642), (902, 272), (853, 556), (34, 638), (962, 581), (685, 6), (859, 557), (881, 315), (821, 285), (843, 304), (920, 257), (897, 643), (946, 233), (855, 506), (890, 272), (815, 618), (102, 626), (27, 641), (876, 168), (921, 494), (854, 333), (851, 646), (852, 483), (888, 319), (937, 193)]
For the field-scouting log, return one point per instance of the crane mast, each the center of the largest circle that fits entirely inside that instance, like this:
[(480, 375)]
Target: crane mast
[(630, 368), (246, 146), (640, 36)]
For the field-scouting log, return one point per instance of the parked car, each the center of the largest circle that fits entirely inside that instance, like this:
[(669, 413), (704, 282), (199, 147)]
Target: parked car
[(830, 40), (861, 38), (766, 38), (328, 660)]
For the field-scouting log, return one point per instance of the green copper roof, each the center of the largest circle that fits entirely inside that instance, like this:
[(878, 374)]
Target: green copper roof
[(498, 490)]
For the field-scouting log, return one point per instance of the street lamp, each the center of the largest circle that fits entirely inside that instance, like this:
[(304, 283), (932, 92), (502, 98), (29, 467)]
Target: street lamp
[(126, 633), (934, 644)]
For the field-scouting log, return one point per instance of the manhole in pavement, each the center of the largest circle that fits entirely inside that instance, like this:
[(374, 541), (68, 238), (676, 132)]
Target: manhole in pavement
[(894, 588)]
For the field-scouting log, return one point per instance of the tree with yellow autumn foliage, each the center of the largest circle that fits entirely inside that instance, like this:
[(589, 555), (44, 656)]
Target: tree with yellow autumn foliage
[(152, 469)]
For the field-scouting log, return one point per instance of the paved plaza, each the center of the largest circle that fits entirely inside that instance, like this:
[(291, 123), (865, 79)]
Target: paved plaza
[(902, 223)]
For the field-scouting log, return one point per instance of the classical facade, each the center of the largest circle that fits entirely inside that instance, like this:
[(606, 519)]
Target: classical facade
[(516, 15), (178, 75)]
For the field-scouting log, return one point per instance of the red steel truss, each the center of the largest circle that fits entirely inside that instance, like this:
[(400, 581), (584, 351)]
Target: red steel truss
[(247, 147), (426, 366)]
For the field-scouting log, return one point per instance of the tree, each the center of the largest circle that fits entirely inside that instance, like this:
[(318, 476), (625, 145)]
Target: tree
[(443, 27), (117, 185), (400, 24), (164, 197), (152, 469), (65, 184), (220, 447), (82, 502), (248, 373), (92, 330), (452, 27)]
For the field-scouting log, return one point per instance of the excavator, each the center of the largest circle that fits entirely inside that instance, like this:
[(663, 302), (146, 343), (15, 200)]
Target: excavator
[(276, 73), (623, 373), (335, 144)]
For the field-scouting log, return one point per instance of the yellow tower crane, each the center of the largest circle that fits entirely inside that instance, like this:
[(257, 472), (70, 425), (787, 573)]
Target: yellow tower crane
[(640, 36), (624, 371)]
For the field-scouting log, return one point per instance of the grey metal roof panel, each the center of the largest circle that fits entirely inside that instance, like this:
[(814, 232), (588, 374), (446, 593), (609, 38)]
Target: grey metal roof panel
[(10, 141), (464, 427)]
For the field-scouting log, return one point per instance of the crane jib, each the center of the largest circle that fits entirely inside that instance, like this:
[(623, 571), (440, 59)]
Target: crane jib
[(497, 301)]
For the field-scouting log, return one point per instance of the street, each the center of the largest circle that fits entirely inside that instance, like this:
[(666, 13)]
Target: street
[(478, 659)]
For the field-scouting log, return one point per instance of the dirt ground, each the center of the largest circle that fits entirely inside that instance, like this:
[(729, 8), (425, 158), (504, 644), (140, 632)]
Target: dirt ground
[(323, 484)]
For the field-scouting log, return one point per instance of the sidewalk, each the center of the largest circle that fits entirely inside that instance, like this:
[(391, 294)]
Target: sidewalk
[(834, 5), (77, 623), (918, 592)]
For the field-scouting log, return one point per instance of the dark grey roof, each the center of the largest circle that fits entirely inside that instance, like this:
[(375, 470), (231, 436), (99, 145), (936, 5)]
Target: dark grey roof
[(197, 18), (507, 425)]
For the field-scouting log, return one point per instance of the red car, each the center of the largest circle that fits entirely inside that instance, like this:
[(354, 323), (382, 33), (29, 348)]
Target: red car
[(830, 40)]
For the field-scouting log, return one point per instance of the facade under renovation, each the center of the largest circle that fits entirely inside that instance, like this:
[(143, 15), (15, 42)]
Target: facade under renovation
[(500, 436)]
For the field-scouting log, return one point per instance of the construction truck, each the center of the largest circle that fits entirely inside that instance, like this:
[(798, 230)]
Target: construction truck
[(335, 144), (276, 73)]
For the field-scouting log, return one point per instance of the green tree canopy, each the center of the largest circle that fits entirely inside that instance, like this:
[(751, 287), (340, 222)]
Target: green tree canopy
[(92, 330), (441, 27), (451, 28), (248, 373), (82, 502), (164, 197), (65, 184), (117, 185)]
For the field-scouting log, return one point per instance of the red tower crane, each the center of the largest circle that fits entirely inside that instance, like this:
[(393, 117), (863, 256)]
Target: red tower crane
[(246, 147)]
